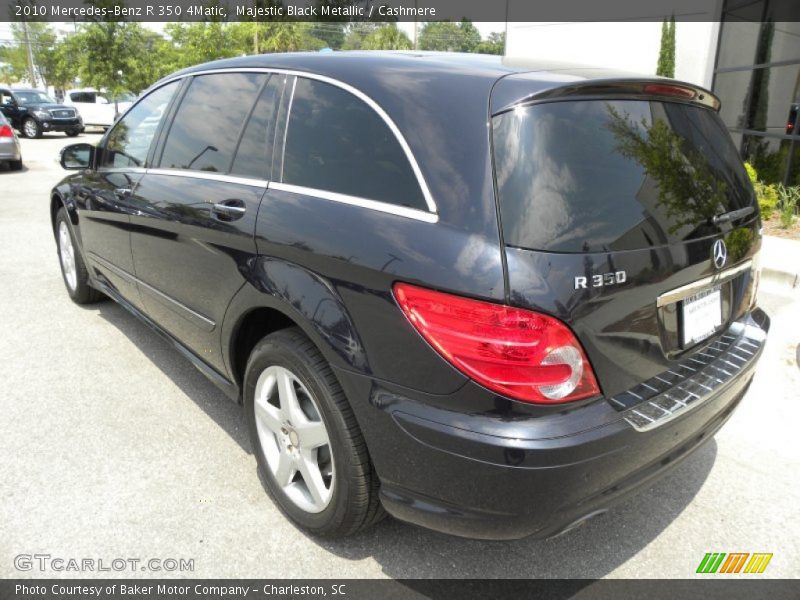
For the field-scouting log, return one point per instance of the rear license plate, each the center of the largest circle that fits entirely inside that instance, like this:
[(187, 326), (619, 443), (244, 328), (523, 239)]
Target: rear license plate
[(702, 316)]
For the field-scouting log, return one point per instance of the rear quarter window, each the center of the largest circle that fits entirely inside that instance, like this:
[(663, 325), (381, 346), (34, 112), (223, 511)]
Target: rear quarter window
[(597, 175), (335, 142)]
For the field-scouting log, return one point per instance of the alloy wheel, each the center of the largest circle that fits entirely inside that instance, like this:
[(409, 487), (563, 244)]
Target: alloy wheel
[(67, 254), (30, 127), (294, 439)]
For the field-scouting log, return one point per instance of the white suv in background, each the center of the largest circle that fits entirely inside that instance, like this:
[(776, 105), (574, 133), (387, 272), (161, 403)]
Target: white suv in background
[(95, 108)]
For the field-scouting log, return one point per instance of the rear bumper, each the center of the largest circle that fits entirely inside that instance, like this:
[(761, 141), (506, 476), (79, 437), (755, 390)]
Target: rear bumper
[(9, 152), (483, 476)]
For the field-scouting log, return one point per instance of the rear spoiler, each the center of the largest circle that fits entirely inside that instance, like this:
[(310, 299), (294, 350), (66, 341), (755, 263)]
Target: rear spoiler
[(621, 89)]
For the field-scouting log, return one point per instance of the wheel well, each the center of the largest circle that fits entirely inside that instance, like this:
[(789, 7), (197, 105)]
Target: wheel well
[(252, 329)]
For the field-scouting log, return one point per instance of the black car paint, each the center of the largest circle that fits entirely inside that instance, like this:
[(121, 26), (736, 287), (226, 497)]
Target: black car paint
[(17, 112), (451, 455)]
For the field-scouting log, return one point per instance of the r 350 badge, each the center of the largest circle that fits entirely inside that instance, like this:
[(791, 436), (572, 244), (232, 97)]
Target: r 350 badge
[(605, 279)]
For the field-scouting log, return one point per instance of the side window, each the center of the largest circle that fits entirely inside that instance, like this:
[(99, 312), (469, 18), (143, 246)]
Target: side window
[(206, 127), (129, 141), (337, 143), (254, 155)]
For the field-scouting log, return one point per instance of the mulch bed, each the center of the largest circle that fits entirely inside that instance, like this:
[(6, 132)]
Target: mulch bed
[(773, 227)]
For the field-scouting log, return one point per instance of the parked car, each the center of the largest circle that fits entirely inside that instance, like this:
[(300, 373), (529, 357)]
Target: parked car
[(490, 300), (10, 152), (96, 109), (33, 112)]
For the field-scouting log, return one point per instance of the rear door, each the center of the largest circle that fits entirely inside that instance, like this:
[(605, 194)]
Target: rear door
[(195, 232), (630, 218)]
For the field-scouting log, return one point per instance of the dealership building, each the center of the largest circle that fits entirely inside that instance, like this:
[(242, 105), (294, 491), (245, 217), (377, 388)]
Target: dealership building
[(742, 53)]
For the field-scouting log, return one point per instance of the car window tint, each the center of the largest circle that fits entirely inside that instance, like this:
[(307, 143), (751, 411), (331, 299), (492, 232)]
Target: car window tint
[(206, 127), (254, 155), (129, 141), (594, 176), (337, 143)]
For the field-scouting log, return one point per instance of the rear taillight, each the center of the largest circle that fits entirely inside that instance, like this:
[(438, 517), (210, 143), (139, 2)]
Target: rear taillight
[(518, 353), (6, 132)]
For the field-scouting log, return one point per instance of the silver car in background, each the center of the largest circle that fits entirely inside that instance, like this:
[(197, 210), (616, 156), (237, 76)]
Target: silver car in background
[(10, 151)]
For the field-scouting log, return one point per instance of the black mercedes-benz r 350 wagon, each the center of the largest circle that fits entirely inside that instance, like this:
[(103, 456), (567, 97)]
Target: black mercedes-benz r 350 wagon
[(487, 298)]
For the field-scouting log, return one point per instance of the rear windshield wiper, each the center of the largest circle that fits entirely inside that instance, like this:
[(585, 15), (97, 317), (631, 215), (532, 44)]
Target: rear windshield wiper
[(732, 215)]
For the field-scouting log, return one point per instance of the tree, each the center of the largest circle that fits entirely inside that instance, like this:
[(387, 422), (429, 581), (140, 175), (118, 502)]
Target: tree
[(494, 44), (388, 37), (203, 42), (356, 33), (450, 37), (440, 35), (470, 36), (285, 36), (666, 54)]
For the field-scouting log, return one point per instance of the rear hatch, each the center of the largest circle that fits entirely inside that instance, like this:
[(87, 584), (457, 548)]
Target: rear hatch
[(626, 212)]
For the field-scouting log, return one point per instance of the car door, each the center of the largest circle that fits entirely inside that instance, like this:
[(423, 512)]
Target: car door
[(104, 196), (9, 107), (192, 243)]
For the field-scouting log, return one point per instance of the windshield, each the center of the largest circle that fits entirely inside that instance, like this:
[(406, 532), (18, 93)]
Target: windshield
[(33, 97), (598, 175)]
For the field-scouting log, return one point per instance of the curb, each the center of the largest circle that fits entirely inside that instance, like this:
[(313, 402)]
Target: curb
[(785, 278)]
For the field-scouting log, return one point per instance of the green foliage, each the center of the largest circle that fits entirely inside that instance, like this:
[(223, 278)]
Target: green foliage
[(450, 37), (789, 201), (751, 173), (766, 194), (197, 43), (666, 54), (494, 44), (357, 32), (388, 37), (687, 187), (120, 56), (290, 37), (739, 243)]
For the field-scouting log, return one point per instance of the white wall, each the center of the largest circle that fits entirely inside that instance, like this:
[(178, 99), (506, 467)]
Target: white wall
[(629, 46)]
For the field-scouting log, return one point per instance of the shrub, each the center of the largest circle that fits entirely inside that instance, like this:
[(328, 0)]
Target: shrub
[(767, 195), (789, 199)]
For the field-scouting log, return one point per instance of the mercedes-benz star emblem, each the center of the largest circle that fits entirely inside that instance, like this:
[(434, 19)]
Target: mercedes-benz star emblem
[(719, 254)]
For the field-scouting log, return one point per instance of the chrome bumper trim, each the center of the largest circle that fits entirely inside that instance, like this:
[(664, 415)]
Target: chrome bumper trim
[(694, 380)]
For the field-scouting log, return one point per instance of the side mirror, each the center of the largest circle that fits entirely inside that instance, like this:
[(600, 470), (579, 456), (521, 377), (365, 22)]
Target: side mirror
[(76, 157)]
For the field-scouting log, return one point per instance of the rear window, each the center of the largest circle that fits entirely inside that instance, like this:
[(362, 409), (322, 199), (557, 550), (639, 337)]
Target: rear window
[(595, 175)]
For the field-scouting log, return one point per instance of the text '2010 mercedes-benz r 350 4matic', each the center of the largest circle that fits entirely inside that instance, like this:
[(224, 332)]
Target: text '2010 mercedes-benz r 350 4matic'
[(487, 299)]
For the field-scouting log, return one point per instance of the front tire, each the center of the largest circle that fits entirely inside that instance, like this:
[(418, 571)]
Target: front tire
[(73, 132), (31, 128), (73, 270), (307, 443)]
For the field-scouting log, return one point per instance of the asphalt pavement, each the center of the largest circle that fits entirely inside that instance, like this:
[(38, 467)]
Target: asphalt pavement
[(113, 446)]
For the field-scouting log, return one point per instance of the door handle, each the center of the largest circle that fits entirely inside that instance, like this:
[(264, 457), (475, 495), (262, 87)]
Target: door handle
[(229, 210)]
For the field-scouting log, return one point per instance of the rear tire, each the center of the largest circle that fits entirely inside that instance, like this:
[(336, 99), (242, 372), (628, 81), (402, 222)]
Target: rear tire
[(73, 270), (320, 441), (15, 165)]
